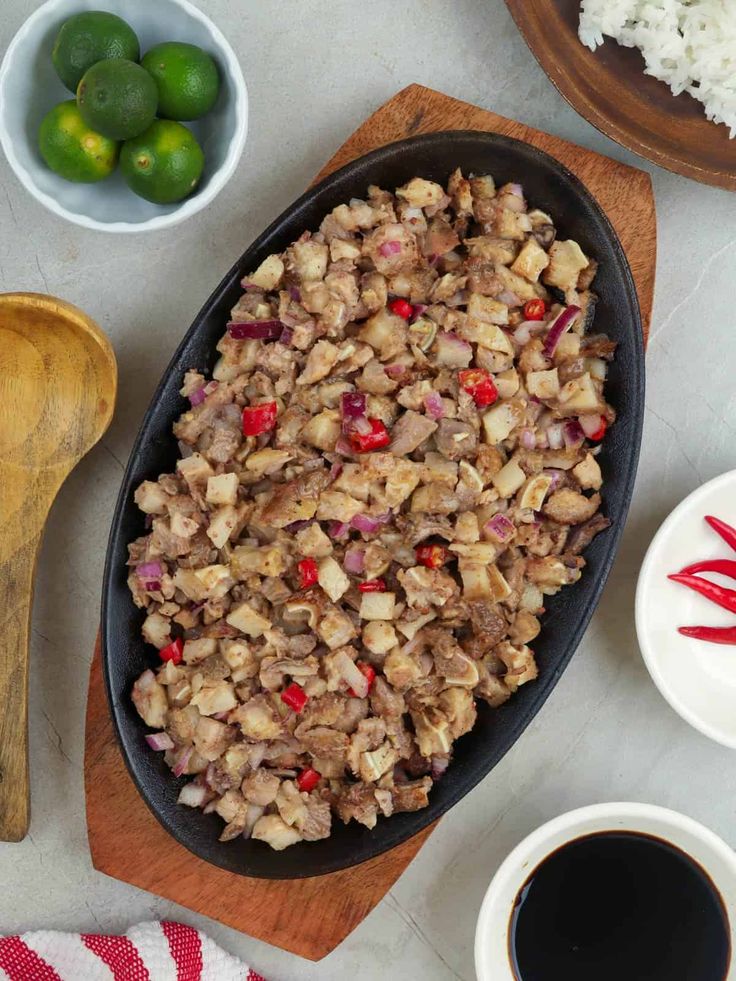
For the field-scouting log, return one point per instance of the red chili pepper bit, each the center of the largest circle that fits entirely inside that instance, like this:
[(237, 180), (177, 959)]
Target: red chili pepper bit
[(308, 573), (295, 697), (376, 439), (307, 779), (600, 432), (368, 671), (712, 591), (724, 567), (714, 635), (727, 533), (402, 308), (433, 556), (535, 309), (372, 586), (478, 383), (173, 652), (259, 419)]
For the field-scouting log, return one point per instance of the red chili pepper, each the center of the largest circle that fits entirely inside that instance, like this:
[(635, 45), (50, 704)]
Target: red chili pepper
[(259, 419), (308, 573), (716, 594), (714, 635), (534, 310), (307, 779), (402, 308), (600, 432), (372, 586), (727, 533), (478, 383), (173, 652), (368, 671), (295, 697), (724, 567), (376, 439), (433, 556)]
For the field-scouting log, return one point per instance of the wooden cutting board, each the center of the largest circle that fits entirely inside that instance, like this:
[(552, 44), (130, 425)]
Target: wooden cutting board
[(310, 917)]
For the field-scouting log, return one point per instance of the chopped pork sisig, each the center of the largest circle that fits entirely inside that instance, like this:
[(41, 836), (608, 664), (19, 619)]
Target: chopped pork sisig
[(393, 465)]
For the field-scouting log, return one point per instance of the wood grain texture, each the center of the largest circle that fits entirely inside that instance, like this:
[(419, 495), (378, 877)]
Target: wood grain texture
[(57, 387), (609, 88), (310, 917)]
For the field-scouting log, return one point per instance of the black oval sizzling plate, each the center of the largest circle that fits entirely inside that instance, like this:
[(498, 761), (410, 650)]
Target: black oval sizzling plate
[(549, 186)]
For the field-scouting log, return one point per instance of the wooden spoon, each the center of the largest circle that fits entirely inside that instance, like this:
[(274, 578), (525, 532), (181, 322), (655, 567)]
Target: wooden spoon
[(58, 381)]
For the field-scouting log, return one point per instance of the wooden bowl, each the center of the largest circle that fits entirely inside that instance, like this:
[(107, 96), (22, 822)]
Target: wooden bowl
[(609, 88)]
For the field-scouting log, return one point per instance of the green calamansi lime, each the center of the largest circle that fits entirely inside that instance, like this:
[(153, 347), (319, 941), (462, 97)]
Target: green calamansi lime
[(117, 98), (187, 79), (87, 38), (164, 164), (71, 149)]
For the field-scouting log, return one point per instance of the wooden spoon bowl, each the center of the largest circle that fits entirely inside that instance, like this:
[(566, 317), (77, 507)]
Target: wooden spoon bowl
[(58, 381)]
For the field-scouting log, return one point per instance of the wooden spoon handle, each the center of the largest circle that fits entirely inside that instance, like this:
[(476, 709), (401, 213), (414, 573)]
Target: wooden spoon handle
[(16, 591)]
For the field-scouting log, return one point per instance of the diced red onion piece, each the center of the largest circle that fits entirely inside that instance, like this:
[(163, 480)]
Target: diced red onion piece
[(573, 433), (220, 716), (338, 529), (198, 397), (590, 424), (563, 323), (192, 794), (183, 761), (352, 405), (368, 524), (527, 439), (149, 570), (335, 470), (419, 310), (343, 447), (296, 526), (434, 405), (556, 436), (295, 294), (510, 298), (395, 370), (160, 741), (260, 330), (390, 248), (354, 561), (500, 527), (287, 335), (151, 585)]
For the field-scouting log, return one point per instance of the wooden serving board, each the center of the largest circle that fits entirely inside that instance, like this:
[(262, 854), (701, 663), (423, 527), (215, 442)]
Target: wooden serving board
[(310, 917)]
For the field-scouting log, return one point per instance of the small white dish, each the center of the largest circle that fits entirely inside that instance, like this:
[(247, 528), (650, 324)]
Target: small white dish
[(697, 678), (29, 87), (492, 962)]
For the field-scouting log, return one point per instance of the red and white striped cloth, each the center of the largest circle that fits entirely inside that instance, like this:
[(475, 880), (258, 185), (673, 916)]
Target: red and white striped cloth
[(148, 952)]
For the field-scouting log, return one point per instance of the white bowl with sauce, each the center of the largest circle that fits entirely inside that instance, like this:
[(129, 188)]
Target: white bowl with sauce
[(492, 937), (697, 678)]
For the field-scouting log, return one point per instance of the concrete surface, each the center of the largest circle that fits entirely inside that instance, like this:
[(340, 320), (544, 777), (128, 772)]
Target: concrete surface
[(315, 70)]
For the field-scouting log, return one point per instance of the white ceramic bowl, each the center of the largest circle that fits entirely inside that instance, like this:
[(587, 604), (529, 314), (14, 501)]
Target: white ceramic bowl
[(707, 849), (29, 87), (698, 679)]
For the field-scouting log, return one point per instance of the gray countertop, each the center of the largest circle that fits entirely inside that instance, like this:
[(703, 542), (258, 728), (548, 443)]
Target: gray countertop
[(315, 70)]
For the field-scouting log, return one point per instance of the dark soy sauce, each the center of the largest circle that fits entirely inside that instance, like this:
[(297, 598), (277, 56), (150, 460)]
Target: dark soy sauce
[(619, 906)]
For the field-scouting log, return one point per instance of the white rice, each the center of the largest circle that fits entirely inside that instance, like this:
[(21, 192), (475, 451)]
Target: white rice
[(689, 44)]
